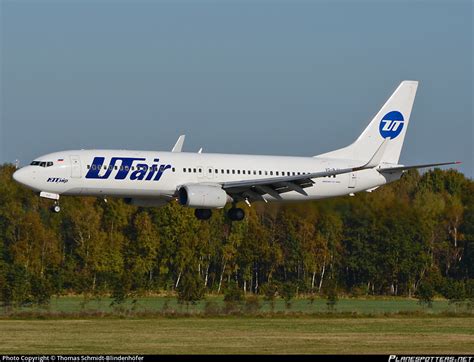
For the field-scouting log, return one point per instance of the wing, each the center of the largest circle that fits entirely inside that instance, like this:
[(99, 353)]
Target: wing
[(253, 190), (274, 186), (404, 168)]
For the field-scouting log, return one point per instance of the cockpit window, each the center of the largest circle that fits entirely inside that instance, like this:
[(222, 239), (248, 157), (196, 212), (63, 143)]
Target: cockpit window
[(42, 163)]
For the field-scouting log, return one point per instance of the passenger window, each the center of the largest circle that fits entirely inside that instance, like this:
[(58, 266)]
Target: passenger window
[(184, 169), (277, 173), (233, 172), (238, 171), (222, 171), (194, 170), (259, 172), (266, 173), (88, 166), (216, 170), (271, 173), (254, 172), (228, 171), (243, 171), (173, 169)]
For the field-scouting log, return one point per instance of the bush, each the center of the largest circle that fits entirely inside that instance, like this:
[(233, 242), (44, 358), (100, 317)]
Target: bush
[(233, 294), (269, 291), (331, 295), (190, 289), (41, 291), (425, 294), (288, 291), (470, 289), (231, 307), (211, 308), (454, 291), (252, 304)]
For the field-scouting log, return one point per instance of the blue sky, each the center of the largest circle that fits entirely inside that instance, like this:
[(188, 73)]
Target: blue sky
[(265, 77)]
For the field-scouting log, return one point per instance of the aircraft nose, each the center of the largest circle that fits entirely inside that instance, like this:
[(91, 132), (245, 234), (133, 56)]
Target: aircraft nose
[(20, 176)]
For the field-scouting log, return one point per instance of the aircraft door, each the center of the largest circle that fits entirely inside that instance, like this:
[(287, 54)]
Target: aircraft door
[(352, 180), (76, 171)]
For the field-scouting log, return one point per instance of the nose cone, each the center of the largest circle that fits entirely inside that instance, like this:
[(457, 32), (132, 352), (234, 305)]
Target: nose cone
[(21, 176)]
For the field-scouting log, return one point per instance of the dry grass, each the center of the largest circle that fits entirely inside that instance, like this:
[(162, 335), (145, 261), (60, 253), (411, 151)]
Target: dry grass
[(239, 335)]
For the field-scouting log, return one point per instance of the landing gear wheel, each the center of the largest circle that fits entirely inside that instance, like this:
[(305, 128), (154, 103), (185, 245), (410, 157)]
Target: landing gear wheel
[(236, 214), (203, 214), (56, 208)]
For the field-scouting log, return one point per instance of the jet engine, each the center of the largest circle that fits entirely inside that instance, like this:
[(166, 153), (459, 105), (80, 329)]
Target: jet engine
[(203, 196)]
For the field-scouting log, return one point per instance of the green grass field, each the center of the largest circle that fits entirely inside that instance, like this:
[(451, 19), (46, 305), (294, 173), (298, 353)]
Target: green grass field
[(428, 335), (377, 325), (77, 304)]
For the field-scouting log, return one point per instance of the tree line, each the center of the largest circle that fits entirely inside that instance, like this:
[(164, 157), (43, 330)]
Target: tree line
[(413, 235)]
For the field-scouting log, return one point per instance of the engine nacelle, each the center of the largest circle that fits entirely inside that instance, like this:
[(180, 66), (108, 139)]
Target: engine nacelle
[(203, 196)]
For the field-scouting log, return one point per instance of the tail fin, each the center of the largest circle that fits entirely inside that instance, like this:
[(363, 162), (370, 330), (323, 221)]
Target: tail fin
[(390, 122)]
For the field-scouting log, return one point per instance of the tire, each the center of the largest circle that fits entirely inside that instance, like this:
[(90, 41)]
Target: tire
[(203, 214), (236, 214), (56, 208)]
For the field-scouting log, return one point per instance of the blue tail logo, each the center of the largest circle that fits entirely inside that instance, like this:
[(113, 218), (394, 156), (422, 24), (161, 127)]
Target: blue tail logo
[(391, 125)]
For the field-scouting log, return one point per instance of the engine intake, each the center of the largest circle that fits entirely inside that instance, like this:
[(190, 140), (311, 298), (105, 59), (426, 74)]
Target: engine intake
[(203, 196)]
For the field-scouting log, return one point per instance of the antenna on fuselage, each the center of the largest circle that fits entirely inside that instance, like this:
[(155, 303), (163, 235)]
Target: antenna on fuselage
[(17, 164)]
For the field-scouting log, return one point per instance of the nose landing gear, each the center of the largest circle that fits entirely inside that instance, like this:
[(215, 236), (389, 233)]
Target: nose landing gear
[(56, 208)]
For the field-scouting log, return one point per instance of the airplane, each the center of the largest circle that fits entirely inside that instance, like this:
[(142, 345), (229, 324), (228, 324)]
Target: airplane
[(207, 181)]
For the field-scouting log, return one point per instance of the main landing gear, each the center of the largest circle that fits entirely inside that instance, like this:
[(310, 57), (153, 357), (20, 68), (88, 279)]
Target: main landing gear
[(236, 214), (203, 214)]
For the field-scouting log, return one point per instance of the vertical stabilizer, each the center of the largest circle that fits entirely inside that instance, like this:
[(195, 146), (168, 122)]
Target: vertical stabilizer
[(390, 122)]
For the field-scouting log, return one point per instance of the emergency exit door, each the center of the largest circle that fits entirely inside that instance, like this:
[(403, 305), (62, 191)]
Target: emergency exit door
[(76, 171)]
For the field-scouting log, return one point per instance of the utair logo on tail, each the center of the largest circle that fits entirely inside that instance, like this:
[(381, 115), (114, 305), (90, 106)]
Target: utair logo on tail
[(391, 125), (128, 165)]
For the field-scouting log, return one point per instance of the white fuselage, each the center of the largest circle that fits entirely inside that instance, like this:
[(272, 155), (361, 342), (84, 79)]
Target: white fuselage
[(155, 175)]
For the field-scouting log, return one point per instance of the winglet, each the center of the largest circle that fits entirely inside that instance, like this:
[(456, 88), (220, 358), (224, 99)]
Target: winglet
[(179, 144), (377, 157)]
